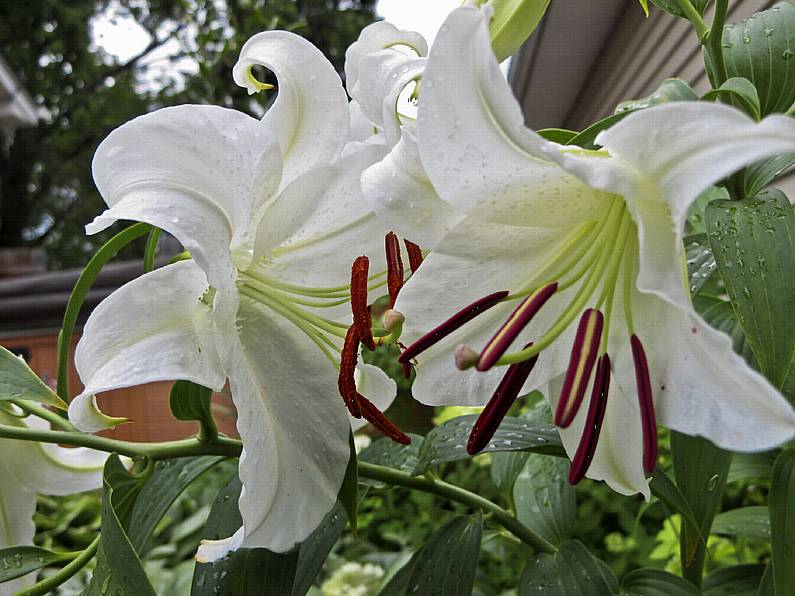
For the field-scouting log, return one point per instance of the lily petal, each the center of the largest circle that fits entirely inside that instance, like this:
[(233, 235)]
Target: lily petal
[(154, 328), (733, 406), (294, 430), (375, 385), (17, 506), (399, 191), (310, 114), (199, 172), (473, 142)]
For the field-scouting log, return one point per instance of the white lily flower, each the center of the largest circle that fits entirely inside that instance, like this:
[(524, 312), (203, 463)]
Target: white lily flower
[(28, 468), (588, 235), (273, 217)]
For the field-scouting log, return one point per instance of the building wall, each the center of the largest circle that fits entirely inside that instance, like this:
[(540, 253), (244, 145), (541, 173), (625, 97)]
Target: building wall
[(146, 405)]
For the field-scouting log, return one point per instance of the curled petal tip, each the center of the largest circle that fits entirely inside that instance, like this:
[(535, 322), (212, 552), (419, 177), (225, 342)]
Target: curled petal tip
[(465, 357)]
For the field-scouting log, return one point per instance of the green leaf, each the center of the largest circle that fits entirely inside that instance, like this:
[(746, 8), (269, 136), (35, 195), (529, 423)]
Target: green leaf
[(349, 491), (314, 550), (656, 582), (505, 469), (760, 49), (700, 261), (720, 315), (752, 466), (586, 138), (782, 521), (446, 563), (17, 381), (644, 4), (151, 249), (701, 470), (557, 135), (668, 91), (169, 478), (118, 569), (740, 580), (189, 401), (745, 522), (572, 570), (672, 7), (753, 241), (512, 22), (741, 93), (247, 570), (447, 442), (663, 488), (544, 499), (386, 452), (695, 213), (16, 561), (761, 173)]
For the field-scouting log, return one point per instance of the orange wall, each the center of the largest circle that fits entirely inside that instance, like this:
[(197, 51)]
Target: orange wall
[(146, 405)]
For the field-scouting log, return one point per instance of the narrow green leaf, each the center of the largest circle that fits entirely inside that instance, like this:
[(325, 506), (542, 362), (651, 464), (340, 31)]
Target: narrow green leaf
[(505, 469), (656, 582), (349, 491), (118, 569), (78, 296), (782, 521), (512, 22), (668, 91), (314, 550), (720, 315), (761, 49), (151, 249), (18, 381), (752, 466), (544, 499), (445, 564), (766, 587), (557, 135), (761, 173), (169, 478), (740, 92), (701, 470), (753, 241), (386, 452), (447, 442), (672, 7), (586, 138), (700, 261), (663, 488), (247, 571), (740, 580), (572, 570), (189, 401), (695, 213), (16, 561), (745, 522)]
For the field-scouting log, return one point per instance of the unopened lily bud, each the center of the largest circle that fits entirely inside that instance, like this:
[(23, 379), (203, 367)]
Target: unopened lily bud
[(393, 319), (465, 357)]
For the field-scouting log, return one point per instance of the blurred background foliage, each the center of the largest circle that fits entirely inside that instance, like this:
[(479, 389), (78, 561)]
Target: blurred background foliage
[(83, 92)]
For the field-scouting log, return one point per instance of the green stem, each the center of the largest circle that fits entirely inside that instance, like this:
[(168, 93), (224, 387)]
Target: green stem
[(165, 450), (715, 42), (43, 413), (48, 584), (455, 493), (695, 19), (151, 248), (84, 283)]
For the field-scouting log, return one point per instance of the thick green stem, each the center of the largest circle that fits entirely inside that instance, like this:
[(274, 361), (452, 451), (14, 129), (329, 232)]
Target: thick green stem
[(715, 42), (695, 19), (48, 584), (82, 286), (455, 493)]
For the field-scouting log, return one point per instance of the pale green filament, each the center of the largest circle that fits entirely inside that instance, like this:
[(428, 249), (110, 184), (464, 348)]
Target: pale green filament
[(629, 280), (333, 292), (609, 286)]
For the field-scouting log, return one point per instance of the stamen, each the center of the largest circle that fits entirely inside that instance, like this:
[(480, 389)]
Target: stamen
[(375, 417), (465, 357), (583, 356), (499, 404), (518, 320), (593, 422), (361, 314), (394, 267), (346, 381), (415, 255), (646, 403), (463, 316)]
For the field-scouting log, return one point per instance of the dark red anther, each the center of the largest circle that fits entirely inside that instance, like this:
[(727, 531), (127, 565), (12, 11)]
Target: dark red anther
[(346, 381), (501, 401), (583, 357), (646, 403), (518, 320), (361, 313), (415, 255), (394, 267), (463, 316), (375, 417), (593, 422)]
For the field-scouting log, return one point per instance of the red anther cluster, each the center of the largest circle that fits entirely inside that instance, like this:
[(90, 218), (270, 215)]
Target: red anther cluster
[(394, 267), (646, 403), (583, 357), (361, 312), (501, 401), (346, 381), (593, 422), (415, 255)]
